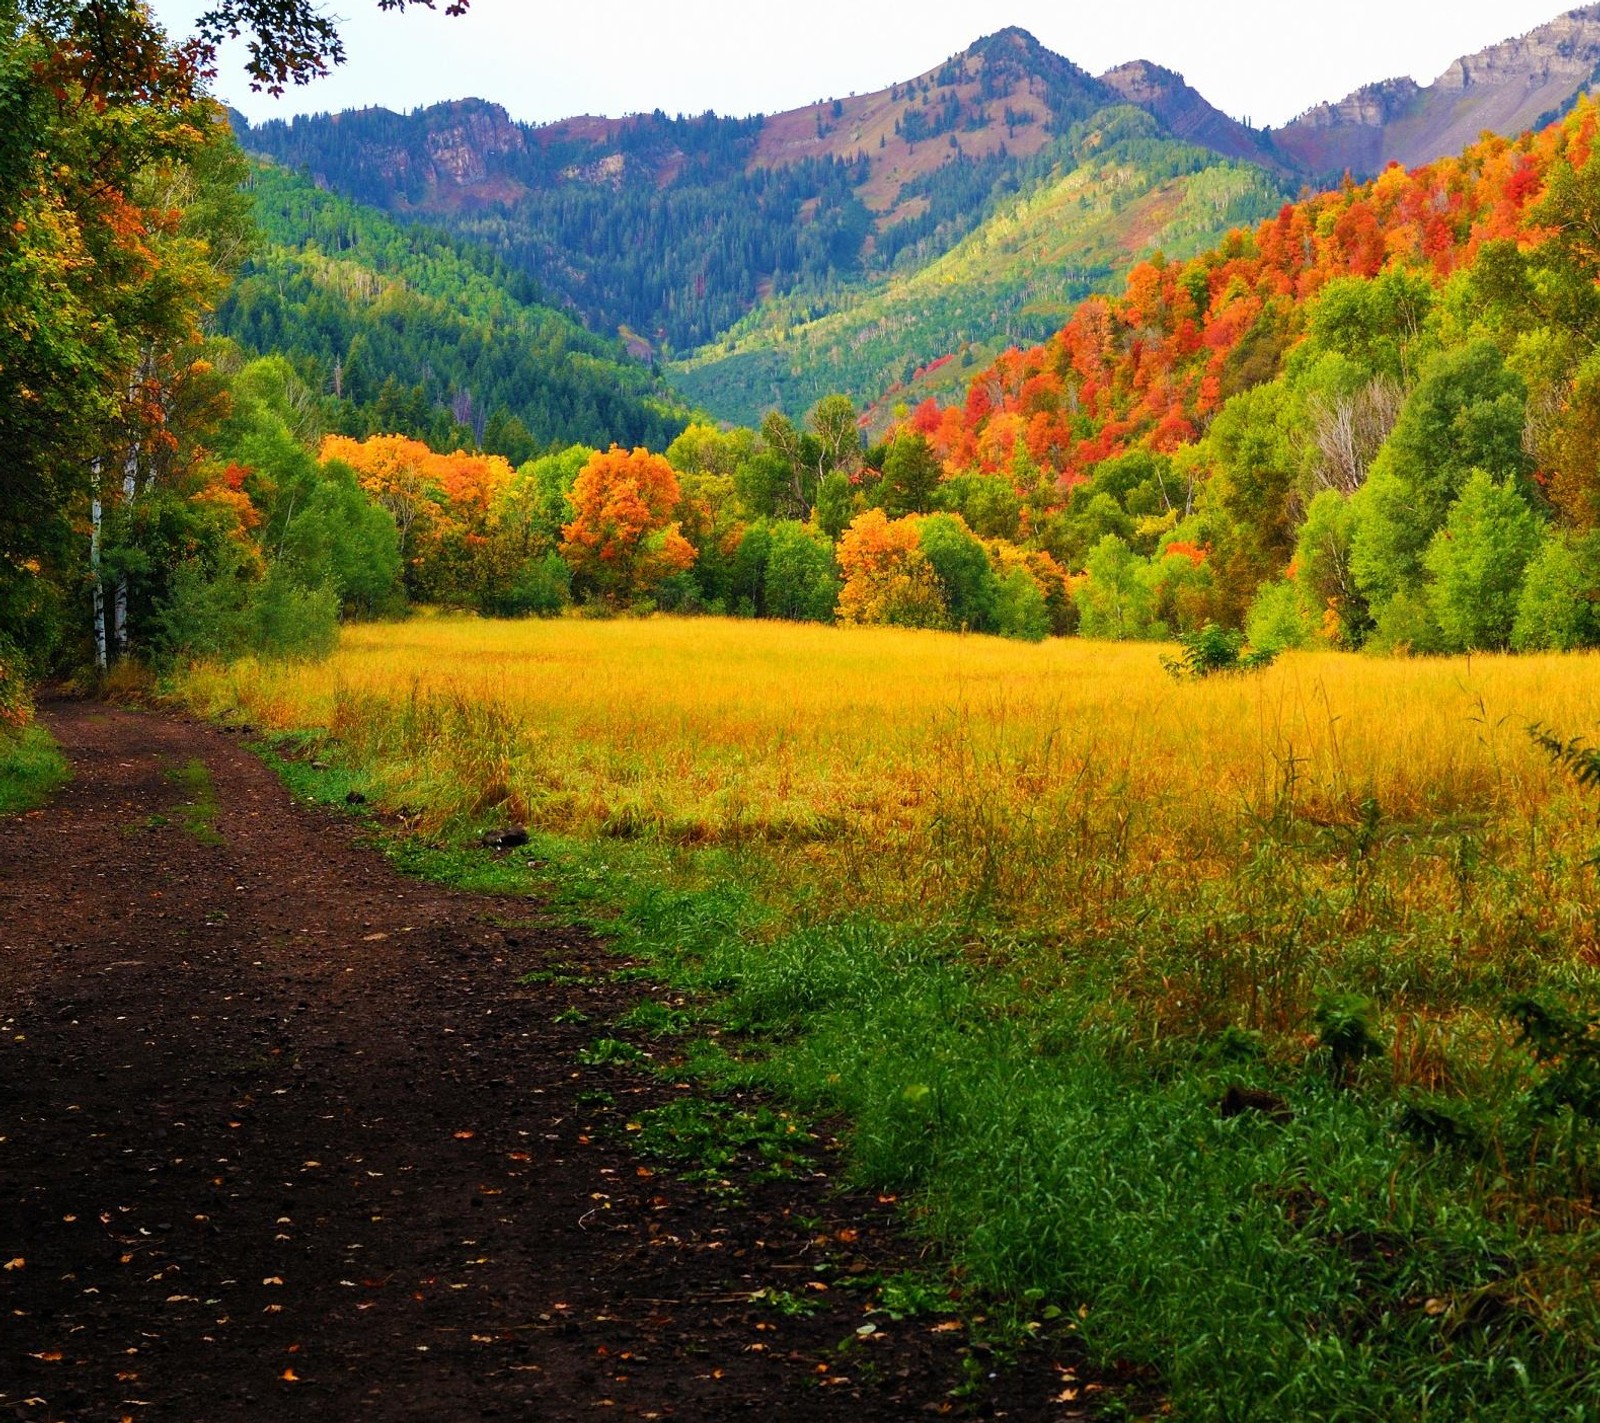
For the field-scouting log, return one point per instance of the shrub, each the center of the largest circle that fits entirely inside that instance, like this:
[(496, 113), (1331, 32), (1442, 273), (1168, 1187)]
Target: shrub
[(16, 703), (223, 615), (1216, 651), (541, 588)]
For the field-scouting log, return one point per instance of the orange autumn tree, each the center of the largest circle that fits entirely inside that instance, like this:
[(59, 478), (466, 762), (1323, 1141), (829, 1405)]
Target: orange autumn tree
[(624, 540), (440, 504), (888, 578)]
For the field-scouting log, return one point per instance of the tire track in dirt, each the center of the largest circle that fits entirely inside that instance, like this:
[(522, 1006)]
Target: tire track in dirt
[(282, 1135)]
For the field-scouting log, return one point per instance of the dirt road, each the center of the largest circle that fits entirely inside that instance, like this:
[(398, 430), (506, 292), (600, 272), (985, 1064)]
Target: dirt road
[(283, 1135)]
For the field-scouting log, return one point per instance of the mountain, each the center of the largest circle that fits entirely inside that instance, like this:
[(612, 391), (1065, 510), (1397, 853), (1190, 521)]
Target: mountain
[(1511, 87), (856, 242), (409, 331), (1116, 189), (1188, 116), (670, 230)]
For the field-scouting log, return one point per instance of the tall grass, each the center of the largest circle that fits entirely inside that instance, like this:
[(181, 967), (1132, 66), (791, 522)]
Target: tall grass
[(1028, 913)]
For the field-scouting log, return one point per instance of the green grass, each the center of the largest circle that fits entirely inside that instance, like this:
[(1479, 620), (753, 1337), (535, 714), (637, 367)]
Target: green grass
[(1366, 1252), (32, 769), (197, 812)]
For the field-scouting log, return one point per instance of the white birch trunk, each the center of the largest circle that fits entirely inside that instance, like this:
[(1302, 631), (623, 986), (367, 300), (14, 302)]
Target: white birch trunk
[(100, 658), (130, 481)]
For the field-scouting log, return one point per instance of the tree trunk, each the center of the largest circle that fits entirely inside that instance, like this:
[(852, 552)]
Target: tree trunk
[(100, 657)]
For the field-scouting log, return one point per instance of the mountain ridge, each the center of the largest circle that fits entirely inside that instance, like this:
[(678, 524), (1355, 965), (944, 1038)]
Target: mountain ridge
[(674, 233)]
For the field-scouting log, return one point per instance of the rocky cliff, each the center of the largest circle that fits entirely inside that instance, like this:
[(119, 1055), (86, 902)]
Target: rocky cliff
[(1519, 84)]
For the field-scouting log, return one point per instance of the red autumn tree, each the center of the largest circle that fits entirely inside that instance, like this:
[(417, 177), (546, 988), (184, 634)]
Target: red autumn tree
[(624, 540)]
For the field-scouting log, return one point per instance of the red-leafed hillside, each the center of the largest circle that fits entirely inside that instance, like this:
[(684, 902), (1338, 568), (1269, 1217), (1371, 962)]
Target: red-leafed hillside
[(1150, 369)]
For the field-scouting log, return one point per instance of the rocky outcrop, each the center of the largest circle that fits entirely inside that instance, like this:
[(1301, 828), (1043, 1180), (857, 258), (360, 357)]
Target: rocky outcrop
[(463, 139), (1519, 84)]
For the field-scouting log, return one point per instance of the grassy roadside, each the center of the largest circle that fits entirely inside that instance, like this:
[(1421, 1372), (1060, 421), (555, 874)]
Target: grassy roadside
[(32, 769), (1323, 1248)]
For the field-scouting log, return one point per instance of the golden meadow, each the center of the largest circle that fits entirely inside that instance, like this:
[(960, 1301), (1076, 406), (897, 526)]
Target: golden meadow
[(1025, 915), (1055, 795)]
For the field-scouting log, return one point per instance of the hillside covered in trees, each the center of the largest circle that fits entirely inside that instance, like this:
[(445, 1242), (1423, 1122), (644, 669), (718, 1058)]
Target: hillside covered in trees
[(416, 333), (1369, 421), (854, 243)]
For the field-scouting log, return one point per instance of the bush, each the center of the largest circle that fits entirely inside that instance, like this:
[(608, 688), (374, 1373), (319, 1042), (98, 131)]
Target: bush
[(16, 703), (1020, 608), (1216, 651), (541, 589), (225, 615)]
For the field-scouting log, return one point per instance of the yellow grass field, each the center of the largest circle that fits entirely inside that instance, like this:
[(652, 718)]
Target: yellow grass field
[(1025, 914), (908, 771)]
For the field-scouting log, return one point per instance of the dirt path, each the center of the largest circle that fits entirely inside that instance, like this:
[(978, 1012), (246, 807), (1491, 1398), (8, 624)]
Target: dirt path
[(283, 1136)]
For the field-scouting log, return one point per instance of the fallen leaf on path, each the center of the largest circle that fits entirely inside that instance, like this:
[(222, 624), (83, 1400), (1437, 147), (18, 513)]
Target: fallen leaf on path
[(465, 1135), (17, 1264), (290, 1376)]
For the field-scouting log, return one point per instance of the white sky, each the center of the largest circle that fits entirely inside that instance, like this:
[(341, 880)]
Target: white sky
[(1266, 60)]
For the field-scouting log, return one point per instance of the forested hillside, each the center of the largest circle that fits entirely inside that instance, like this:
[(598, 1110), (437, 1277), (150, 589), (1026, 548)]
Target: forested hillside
[(850, 245), (413, 332), (1372, 420), (1111, 190), (671, 231)]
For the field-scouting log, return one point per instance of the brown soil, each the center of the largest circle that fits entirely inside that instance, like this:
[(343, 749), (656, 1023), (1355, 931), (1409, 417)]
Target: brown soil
[(282, 1135)]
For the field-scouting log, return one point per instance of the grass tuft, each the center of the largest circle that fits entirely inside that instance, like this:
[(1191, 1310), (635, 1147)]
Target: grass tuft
[(32, 769)]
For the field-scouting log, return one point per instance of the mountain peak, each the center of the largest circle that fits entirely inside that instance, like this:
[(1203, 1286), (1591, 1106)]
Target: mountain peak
[(1186, 113), (1518, 84)]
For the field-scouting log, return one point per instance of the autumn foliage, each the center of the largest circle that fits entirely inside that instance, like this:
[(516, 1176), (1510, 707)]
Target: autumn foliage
[(625, 538), (1151, 368)]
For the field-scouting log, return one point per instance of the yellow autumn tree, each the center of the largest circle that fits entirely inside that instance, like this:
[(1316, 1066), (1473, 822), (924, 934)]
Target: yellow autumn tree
[(888, 578)]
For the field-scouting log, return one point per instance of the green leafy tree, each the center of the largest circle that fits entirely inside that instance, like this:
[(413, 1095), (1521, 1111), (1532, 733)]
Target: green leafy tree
[(1477, 562), (1114, 601), (1322, 570), (801, 580), (911, 474), (961, 564), (1467, 414), (1020, 608), (343, 540), (1277, 618), (1557, 609)]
